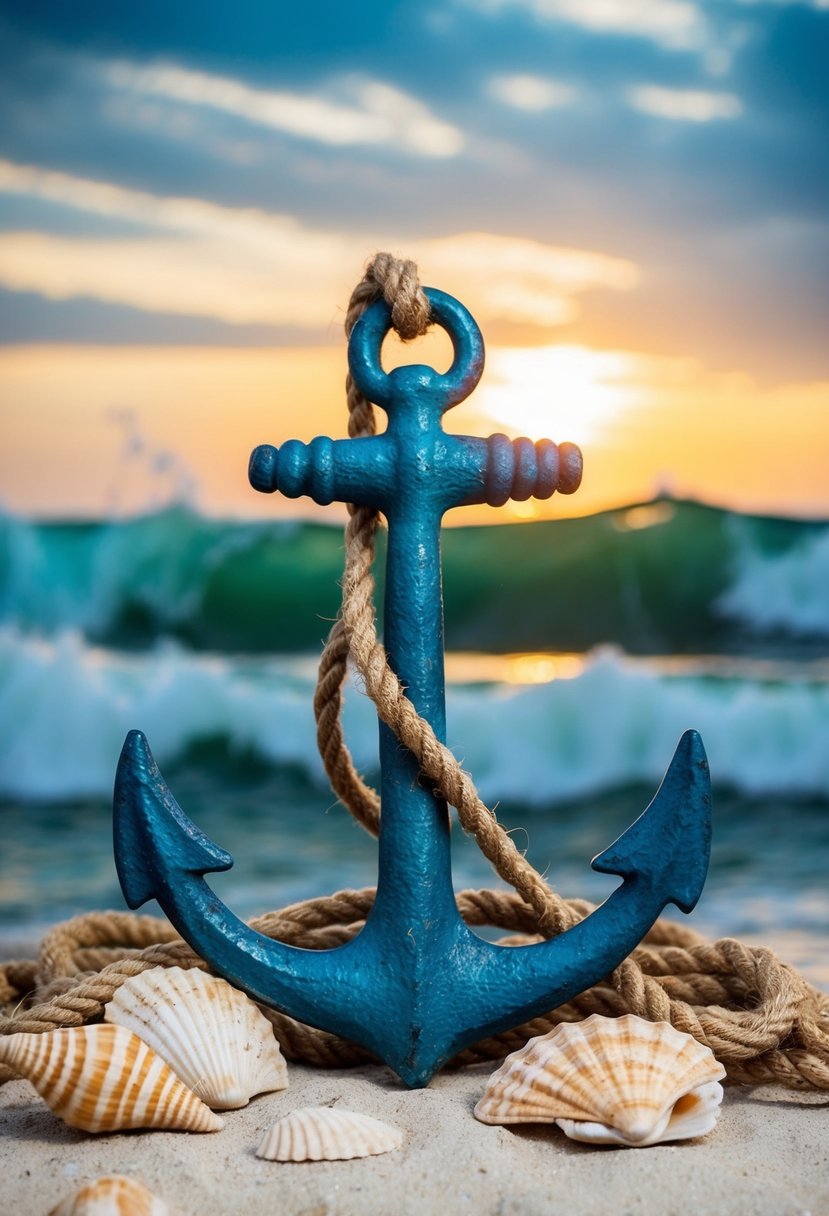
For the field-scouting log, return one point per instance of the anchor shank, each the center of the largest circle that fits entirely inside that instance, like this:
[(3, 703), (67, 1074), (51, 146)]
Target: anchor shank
[(415, 879)]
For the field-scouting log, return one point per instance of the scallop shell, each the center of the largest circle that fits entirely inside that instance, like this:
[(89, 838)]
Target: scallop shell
[(212, 1035), (320, 1133), (621, 1081), (104, 1079), (113, 1195)]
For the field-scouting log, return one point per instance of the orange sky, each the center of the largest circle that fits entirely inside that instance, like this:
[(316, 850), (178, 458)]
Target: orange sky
[(625, 196), (190, 418)]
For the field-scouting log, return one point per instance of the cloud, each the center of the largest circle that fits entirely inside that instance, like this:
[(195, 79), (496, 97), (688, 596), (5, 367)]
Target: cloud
[(817, 4), (30, 318), (376, 113), (675, 24), (684, 105), (247, 266), (198, 278), (268, 232), (522, 281), (531, 93)]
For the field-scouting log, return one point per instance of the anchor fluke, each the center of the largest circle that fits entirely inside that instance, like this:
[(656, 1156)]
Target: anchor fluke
[(670, 843), (144, 839)]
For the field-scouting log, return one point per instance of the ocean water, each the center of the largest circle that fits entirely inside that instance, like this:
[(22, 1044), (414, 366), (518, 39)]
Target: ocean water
[(578, 652)]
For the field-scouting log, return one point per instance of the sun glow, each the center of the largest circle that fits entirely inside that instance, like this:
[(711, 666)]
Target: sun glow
[(571, 390)]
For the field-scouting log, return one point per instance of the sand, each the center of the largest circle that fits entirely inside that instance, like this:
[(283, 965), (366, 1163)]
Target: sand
[(768, 1154)]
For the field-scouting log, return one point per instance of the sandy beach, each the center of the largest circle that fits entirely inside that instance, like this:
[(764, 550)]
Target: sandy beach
[(768, 1156)]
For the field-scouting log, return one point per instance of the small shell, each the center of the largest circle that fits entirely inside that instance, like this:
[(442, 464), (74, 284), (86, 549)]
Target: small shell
[(113, 1195), (104, 1079), (320, 1133), (212, 1036), (623, 1081)]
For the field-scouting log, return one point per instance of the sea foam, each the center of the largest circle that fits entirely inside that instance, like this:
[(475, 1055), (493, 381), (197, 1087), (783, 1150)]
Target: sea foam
[(781, 592), (65, 707)]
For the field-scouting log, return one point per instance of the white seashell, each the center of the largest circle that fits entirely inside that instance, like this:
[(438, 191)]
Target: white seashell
[(320, 1133), (211, 1034), (623, 1081), (113, 1195), (104, 1079)]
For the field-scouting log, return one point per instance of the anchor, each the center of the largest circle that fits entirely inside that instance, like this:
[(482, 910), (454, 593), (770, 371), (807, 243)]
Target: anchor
[(416, 985)]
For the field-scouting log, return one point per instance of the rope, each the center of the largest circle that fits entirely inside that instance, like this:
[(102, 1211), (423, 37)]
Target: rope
[(354, 634), (761, 1019)]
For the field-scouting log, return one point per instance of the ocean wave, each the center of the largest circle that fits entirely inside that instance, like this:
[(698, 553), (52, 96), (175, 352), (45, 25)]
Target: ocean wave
[(667, 578), (65, 707), (133, 580), (788, 591)]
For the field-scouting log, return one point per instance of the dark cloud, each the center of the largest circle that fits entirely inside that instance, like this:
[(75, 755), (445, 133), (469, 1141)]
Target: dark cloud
[(256, 33), (19, 213), (29, 318), (784, 69)]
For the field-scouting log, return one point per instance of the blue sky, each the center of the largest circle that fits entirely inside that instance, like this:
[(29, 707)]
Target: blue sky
[(640, 175)]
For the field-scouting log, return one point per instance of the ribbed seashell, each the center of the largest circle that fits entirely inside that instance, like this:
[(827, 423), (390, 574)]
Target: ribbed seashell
[(622, 1081), (104, 1079), (320, 1133), (211, 1034), (113, 1195)]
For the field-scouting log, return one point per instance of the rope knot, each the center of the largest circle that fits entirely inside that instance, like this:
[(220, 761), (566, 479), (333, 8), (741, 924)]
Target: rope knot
[(398, 281)]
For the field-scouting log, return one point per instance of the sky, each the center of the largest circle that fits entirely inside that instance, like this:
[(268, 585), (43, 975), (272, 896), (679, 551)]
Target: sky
[(629, 195)]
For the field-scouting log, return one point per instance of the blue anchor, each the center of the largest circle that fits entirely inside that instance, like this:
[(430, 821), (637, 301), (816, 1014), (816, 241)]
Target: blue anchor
[(416, 985)]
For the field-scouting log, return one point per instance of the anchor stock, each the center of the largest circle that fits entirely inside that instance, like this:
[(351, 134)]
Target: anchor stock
[(416, 985)]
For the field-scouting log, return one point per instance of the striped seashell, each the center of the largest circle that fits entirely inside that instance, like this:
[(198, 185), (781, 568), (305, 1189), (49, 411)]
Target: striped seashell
[(104, 1079), (622, 1081), (113, 1195), (211, 1034), (320, 1133)]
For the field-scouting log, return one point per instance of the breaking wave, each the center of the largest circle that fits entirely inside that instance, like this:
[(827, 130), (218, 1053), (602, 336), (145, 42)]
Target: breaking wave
[(65, 707)]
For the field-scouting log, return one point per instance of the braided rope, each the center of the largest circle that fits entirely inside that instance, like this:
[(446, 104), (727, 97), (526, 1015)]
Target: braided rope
[(354, 634)]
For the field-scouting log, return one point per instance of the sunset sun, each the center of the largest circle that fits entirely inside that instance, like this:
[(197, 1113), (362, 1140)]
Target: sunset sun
[(559, 392)]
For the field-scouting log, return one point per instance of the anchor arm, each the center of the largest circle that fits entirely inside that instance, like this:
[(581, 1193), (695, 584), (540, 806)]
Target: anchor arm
[(662, 858), (161, 854), (671, 840)]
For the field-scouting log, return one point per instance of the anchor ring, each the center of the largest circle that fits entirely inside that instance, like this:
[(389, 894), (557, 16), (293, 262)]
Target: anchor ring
[(445, 388)]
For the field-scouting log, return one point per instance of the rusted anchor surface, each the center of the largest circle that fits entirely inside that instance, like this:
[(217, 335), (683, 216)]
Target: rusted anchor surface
[(416, 985)]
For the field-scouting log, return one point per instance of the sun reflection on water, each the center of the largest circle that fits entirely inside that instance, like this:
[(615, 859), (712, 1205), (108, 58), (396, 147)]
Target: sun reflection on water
[(519, 669)]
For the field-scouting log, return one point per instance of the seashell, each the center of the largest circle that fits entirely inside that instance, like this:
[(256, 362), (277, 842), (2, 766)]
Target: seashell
[(623, 1081), (320, 1133), (113, 1195), (211, 1034), (104, 1079)]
